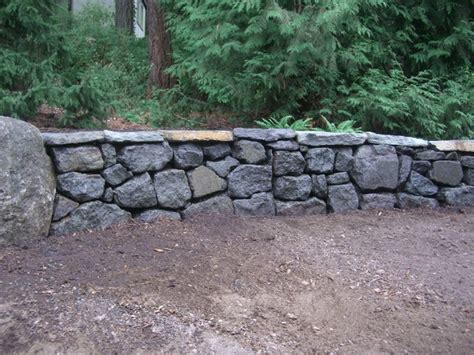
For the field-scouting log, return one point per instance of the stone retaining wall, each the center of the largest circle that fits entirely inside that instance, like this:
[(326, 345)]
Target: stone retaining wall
[(106, 177)]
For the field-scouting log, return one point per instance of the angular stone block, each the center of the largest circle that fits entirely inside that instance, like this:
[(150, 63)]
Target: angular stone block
[(404, 171), (292, 187), (145, 157), (374, 138), (417, 184), (378, 201), (260, 204), (81, 187), (187, 156), (116, 174), (321, 139), (137, 192), (284, 145), (54, 138), (457, 196), (344, 159), (421, 166), (264, 134), (469, 176), (338, 178), (320, 186), (215, 205), (301, 208), (62, 207), (197, 136), (342, 198), (288, 163), (150, 216), (320, 160), (467, 161), (109, 154), (204, 181), (249, 152), (412, 201), (172, 188), (430, 155), (216, 151), (223, 167), (246, 180), (447, 172), (133, 137), (81, 158)]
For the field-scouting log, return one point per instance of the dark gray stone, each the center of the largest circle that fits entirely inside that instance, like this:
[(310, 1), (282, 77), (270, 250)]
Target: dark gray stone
[(81, 187), (172, 188), (92, 215), (430, 155), (109, 154), (284, 145), (447, 172), (260, 204), (457, 196), (421, 166), (27, 183), (62, 207), (413, 201), (145, 157), (81, 158), (378, 201), (108, 195), (216, 151), (469, 176), (452, 156), (468, 161), (342, 198), (288, 163), (137, 192), (246, 180), (204, 181), (374, 138), (405, 169), (406, 151), (375, 167), (321, 139), (116, 174), (301, 208), (223, 167), (265, 135), (249, 152), (338, 178), (417, 184), (187, 156), (320, 186), (133, 137), (320, 160), (150, 216), (215, 205), (292, 187), (344, 159), (54, 138)]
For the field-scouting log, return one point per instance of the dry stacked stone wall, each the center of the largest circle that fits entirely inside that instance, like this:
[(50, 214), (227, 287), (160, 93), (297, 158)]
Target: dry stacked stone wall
[(106, 177)]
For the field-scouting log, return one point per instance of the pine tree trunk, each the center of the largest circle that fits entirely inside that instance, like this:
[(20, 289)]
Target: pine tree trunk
[(124, 15), (159, 46)]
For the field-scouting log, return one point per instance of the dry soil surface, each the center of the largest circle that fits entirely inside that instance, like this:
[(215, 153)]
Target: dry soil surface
[(371, 282)]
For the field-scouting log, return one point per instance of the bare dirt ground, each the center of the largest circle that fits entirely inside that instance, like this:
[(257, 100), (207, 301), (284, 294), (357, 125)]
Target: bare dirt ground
[(371, 282)]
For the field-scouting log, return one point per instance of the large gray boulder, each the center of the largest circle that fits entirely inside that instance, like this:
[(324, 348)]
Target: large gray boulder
[(378, 201), (288, 163), (447, 172), (246, 180), (145, 157), (343, 198), (414, 201), (292, 187), (260, 204), (375, 167), (249, 152), (215, 205), (457, 196), (81, 187), (204, 181), (172, 188), (223, 167), (150, 216), (301, 208), (320, 160), (417, 184), (27, 183), (187, 156), (137, 192), (91, 215), (81, 158)]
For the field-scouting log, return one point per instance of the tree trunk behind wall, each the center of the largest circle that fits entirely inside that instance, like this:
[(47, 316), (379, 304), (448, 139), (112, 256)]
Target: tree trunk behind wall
[(124, 15), (159, 46)]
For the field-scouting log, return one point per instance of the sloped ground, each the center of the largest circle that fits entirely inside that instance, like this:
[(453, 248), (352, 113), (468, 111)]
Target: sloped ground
[(373, 282)]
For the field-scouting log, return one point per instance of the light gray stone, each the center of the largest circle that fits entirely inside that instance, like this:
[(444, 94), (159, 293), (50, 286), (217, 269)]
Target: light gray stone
[(301, 208), (320, 160), (430, 155), (81, 158), (133, 137), (249, 152), (150, 216), (137, 192), (27, 183), (447, 172), (216, 151), (469, 176), (53, 138), (204, 181), (172, 189), (292, 187), (457, 196), (374, 138), (320, 186), (405, 169), (417, 184), (260, 204), (412, 201), (246, 180), (344, 159), (338, 178), (375, 167), (378, 201), (264, 134), (342, 198), (215, 205), (223, 167), (321, 139), (288, 163), (187, 156), (92, 215), (145, 157), (421, 166), (284, 145), (109, 154), (62, 207), (116, 174), (81, 187), (467, 161), (108, 195)]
